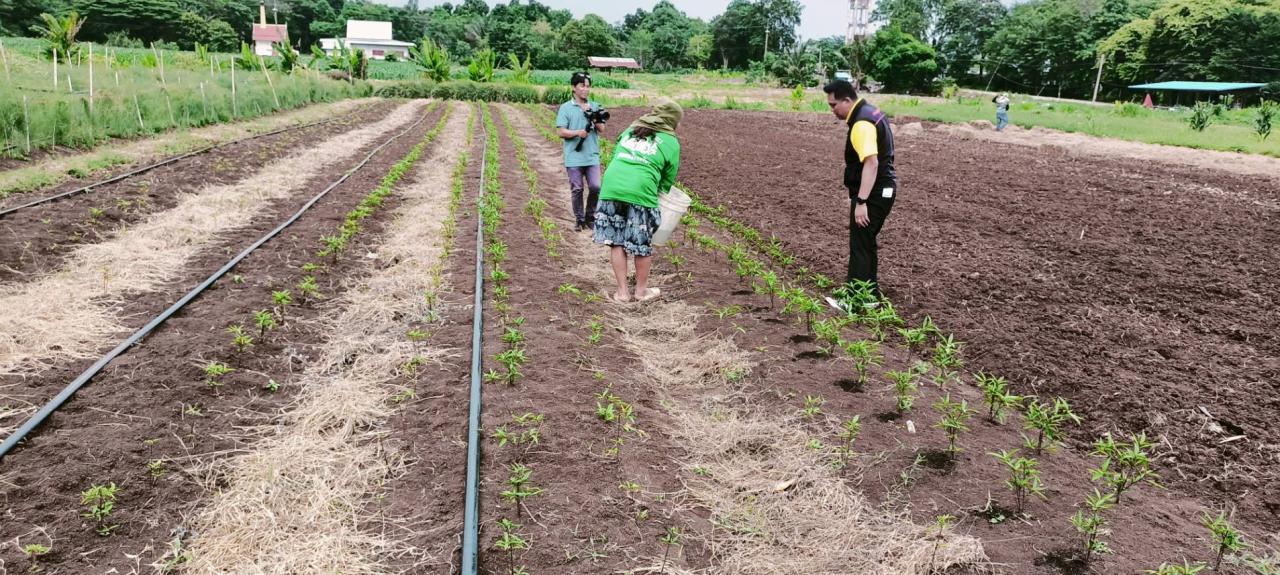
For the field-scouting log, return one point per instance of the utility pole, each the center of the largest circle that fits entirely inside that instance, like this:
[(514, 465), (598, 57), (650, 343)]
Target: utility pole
[(766, 41), (275, 12), (1097, 82)]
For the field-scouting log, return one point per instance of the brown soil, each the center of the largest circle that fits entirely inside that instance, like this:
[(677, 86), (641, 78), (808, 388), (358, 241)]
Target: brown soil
[(36, 240), (140, 408), (1137, 292)]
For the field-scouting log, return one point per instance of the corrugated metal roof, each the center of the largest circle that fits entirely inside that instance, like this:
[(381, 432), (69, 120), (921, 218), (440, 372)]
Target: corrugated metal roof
[(1198, 86), (597, 62), (270, 32)]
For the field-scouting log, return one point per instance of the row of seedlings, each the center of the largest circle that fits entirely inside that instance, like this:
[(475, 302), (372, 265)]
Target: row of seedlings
[(536, 207), (611, 409), (523, 431), (1123, 464), (99, 500)]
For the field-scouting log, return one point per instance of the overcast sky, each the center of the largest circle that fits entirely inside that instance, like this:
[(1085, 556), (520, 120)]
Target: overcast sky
[(821, 18)]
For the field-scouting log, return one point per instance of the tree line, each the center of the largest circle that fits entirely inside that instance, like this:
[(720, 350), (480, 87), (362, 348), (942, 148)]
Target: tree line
[(1050, 47)]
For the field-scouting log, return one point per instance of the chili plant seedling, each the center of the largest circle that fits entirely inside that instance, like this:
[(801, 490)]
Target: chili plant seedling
[(904, 388), (849, 431), (33, 551), (1024, 478), (265, 320), (995, 392), (240, 339), (954, 417), (727, 311), (1226, 538), (101, 500), (670, 539), (940, 523), (946, 357), (512, 359), (864, 353), (518, 486), (1047, 420), (1124, 464), (569, 289), (827, 333), (309, 289), (1093, 525), (597, 330), (630, 486), (675, 261), (510, 542), (214, 372), (812, 406), (156, 468), (282, 299), (526, 432)]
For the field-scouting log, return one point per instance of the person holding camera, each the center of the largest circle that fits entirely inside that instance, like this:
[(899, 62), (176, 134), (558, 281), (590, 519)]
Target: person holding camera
[(644, 165), (578, 125)]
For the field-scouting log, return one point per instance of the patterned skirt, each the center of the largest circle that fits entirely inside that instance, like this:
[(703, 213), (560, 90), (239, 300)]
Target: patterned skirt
[(619, 223)]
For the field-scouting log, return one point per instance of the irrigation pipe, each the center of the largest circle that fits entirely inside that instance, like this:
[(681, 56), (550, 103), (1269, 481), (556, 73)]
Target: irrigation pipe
[(155, 165), (471, 510), (155, 322)]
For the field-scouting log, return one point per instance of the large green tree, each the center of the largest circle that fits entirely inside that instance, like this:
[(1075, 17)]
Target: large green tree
[(901, 62), (1044, 47), (590, 36)]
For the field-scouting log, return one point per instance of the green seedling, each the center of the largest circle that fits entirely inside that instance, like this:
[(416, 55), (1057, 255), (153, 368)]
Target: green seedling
[(240, 339), (946, 357), (416, 335), (518, 486), (569, 289), (701, 471), (1047, 420), (524, 433), (615, 411), (309, 289), (265, 320), (497, 275), (311, 268), (597, 330), (33, 551), (822, 282), (675, 261), (995, 392), (904, 388), (513, 337), (156, 468), (812, 406), (96, 213), (849, 432), (510, 542), (213, 373), (1226, 538), (1024, 478), (497, 251), (727, 311), (1175, 569), (404, 395), (512, 359), (827, 333), (630, 486), (237, 279), (271, 386), (670, 539), (954, 417), (333, 245), (101, 501), (940, 523), (857, 297), (194, 410), (881, 318), (1093, 525), (1124, 464), (282, 299), (769, 285), (864, 353)]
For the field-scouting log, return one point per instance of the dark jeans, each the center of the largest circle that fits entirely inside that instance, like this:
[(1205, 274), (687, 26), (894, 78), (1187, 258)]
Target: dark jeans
[(863, 260), (590, 176)]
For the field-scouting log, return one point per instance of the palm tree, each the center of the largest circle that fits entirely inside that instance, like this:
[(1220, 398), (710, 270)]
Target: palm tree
[(61, 34)]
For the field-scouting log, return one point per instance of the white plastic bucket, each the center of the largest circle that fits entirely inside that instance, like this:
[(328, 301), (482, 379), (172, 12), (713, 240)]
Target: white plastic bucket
[(673, 205)]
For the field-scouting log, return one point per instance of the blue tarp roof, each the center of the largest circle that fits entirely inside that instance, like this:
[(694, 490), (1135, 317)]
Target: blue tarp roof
[(1198, 86)]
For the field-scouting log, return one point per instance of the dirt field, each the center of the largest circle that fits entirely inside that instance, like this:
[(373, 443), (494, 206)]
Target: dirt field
[(1141, 292)]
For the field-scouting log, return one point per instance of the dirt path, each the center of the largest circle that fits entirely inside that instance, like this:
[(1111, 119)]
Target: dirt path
[(152, 412)]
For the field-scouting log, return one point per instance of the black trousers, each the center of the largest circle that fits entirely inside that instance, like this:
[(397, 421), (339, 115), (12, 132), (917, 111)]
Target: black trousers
[(863, 260)]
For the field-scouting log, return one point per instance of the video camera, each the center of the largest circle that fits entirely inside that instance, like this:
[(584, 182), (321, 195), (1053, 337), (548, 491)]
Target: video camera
[(594, 117)]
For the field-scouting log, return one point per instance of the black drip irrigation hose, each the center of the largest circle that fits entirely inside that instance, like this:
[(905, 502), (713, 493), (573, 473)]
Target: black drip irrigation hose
[(164, 162), (65, 395), (471, 509)]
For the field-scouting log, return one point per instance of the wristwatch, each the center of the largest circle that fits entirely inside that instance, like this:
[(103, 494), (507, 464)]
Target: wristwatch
[(859, 201)]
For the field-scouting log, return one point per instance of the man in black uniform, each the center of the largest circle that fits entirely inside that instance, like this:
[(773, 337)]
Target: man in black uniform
[(868, 174)]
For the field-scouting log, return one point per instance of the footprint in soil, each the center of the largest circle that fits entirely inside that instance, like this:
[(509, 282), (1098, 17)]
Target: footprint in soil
[(742, 292), (812, 354), (937, 459), (802, 338), (850, 385), (888, 416), (1065, 560)]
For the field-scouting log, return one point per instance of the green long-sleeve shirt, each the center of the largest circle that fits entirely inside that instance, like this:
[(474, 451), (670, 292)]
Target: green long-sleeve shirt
[(641, 169)]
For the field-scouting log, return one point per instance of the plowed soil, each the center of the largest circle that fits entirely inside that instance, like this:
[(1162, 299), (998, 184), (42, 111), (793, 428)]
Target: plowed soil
[(1142, 293), (153, 404)]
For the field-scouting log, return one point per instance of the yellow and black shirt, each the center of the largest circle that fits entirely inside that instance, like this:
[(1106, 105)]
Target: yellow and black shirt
[(869, 135)]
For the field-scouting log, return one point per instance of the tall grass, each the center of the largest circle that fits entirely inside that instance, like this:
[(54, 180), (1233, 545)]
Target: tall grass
[(132, 97)]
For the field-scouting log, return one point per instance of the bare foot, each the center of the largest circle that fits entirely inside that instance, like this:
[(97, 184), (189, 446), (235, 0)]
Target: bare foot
[(621, 297), (649, 293)]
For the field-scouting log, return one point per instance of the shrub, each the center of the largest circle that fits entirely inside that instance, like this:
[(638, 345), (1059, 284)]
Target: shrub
[(557, 95), (1201, 116)]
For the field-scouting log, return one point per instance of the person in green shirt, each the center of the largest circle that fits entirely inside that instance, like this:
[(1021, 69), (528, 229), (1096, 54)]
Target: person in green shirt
[(644, 165)]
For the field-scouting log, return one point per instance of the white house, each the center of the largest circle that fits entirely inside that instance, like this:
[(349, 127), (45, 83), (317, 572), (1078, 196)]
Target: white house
[(266, 35), (371, 36)]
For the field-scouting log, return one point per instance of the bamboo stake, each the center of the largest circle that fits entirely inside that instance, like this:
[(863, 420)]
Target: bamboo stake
[(70, 90), (263, 64), (169, 105), (117, 78), (211, 60), (5, 54), (138, 109), (234, 110), (55, 68), (160, 60), (204, 104), (26, 121), (90, 78)]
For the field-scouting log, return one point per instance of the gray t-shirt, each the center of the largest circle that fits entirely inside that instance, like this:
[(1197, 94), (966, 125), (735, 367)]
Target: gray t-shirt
[(571, 117)]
